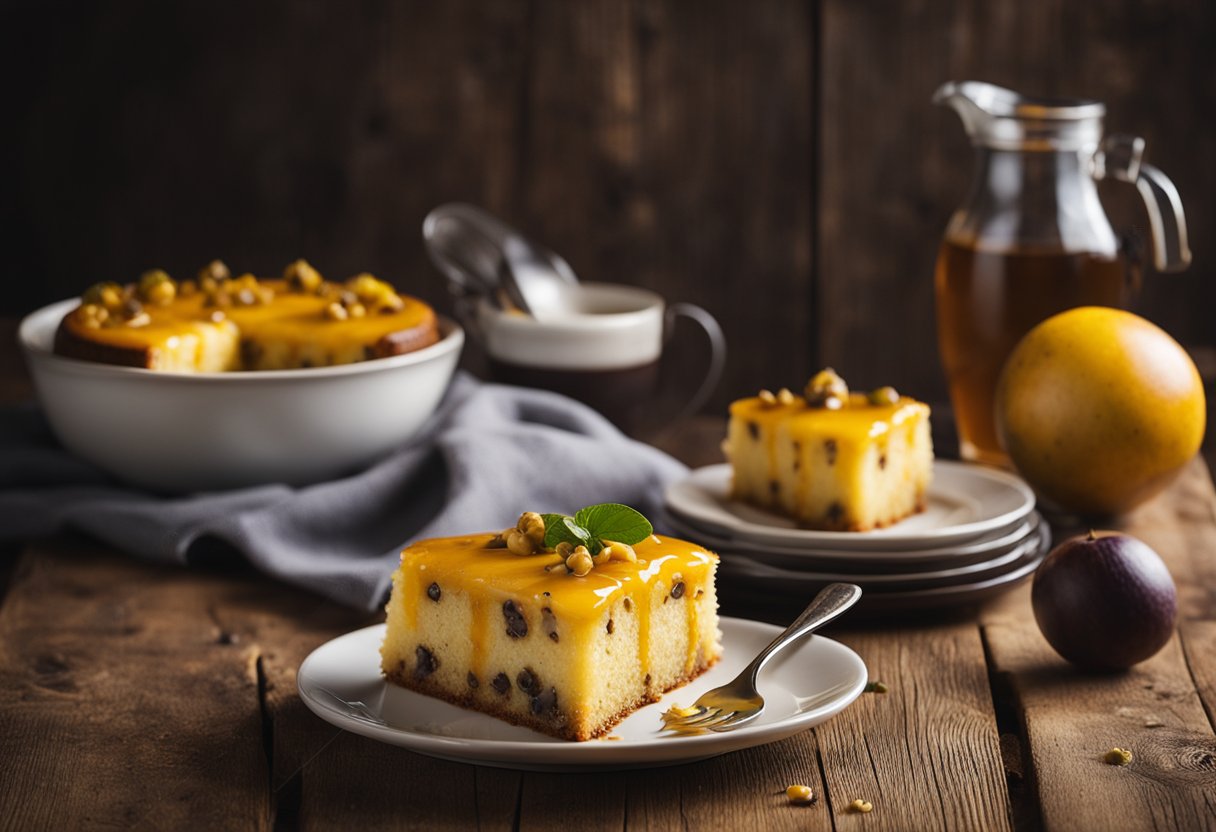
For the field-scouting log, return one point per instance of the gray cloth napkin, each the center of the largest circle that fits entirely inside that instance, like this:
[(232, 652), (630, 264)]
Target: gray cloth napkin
[(487, 454)]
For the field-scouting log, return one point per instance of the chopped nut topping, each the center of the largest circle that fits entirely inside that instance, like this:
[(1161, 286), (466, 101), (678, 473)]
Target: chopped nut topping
[(375, 295), (336, 312), (876, 687), (620, 551), (784, 396), (827, 389), (520, 544), (499, 541), (533, 525), (883, 395), (1117, 757), (800, 794), (157, 287), (862, 806), (302, 277), (580, 562), (108, 295), (767, 398), (212, 274), (94, 315)]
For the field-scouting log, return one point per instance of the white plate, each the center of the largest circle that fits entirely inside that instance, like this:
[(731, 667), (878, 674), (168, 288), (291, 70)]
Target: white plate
[(964, 502), (1006, 561), (809, 682), (879, 561), (779, 596)]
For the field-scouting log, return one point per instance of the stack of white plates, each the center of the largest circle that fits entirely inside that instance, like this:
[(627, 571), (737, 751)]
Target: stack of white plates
[(978, 536)]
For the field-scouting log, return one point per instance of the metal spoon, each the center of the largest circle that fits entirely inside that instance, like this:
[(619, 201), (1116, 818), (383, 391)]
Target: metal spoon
[(465, 243), (480, 254), (534, 278)]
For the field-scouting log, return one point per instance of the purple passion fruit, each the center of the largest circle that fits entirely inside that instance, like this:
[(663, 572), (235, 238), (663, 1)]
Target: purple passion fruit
[(1104, 601)]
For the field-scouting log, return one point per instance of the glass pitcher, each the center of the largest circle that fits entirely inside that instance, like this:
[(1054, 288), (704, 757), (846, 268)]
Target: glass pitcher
[(1032, 238)]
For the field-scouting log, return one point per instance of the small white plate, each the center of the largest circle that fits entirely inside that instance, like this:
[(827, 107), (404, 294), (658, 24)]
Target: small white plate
[(1001, 563), (964, 502), (806, 684), (886, 561)]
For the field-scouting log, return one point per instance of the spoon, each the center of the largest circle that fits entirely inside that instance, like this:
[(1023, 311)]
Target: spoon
[(465, 243), (534, 278)]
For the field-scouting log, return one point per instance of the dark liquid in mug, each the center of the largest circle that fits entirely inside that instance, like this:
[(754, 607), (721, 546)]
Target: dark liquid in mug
[(624, 395), (986, 302)]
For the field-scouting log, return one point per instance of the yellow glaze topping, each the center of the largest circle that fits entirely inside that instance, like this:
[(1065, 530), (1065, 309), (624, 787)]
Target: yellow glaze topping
[(466, 563), (858, 420), (290, 317)]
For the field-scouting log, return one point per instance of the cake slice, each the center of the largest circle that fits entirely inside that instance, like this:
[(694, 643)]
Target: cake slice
[(560, 640), (219, 323), (831, 459)]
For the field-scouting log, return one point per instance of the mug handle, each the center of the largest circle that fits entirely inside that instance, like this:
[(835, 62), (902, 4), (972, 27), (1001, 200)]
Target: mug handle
[(717, 351)]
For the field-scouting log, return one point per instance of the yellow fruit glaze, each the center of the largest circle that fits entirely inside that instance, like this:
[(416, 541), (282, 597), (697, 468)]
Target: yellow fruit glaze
[(289, 318), (490, 577), (853, 426)]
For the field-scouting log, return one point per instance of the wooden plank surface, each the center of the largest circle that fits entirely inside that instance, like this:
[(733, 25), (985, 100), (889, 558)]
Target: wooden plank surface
[(120, 704), (1160, 709)]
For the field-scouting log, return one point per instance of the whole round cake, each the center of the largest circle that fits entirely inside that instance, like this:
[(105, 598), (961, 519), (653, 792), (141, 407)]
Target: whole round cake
[(219, 323)]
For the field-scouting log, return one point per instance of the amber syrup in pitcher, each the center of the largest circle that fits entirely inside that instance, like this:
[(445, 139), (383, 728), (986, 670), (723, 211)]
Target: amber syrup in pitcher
[(987, 300)]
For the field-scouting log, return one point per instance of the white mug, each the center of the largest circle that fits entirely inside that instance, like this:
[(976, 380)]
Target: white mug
[(600, 343)]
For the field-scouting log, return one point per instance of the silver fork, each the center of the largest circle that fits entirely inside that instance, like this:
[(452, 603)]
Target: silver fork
[(739, 701)]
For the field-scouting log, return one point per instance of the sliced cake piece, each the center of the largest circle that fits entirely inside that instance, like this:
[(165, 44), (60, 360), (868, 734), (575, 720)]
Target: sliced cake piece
[(566, 650), (219, 323), (830, 459)]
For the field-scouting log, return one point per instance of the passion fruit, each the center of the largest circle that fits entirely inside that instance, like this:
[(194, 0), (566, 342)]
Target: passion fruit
[(1104, 601)]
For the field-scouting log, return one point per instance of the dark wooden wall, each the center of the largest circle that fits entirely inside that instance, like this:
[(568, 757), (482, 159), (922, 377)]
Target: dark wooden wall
[(778, 162)]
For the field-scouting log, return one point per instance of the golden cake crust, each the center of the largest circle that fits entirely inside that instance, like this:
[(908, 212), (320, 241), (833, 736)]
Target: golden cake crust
[(558, 727)]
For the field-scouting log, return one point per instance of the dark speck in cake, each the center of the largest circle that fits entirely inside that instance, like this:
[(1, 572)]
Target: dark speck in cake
[(426, 662), (545, 703), (774, 487), (434, 592), (501, 683), (527, 681), (753, 430), (517, 625), (835, 512), (472, 680), (611, 626), (882, 462), (548, 622), (677, 591), (829, 448)]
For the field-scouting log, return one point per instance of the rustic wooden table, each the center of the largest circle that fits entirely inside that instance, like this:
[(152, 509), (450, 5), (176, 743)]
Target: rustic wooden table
[(145, 697)]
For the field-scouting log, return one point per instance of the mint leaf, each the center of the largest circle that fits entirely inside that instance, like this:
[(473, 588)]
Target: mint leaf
[(560, 528), (613, 521)]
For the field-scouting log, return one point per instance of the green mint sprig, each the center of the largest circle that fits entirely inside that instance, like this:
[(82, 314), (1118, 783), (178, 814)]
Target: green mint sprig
[(592, 525)]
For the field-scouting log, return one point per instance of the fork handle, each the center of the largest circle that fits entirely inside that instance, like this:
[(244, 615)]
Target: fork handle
[(831, 601)]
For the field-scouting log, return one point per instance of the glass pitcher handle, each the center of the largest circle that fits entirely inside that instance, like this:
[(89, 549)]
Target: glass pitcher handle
[(1119, 158)]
